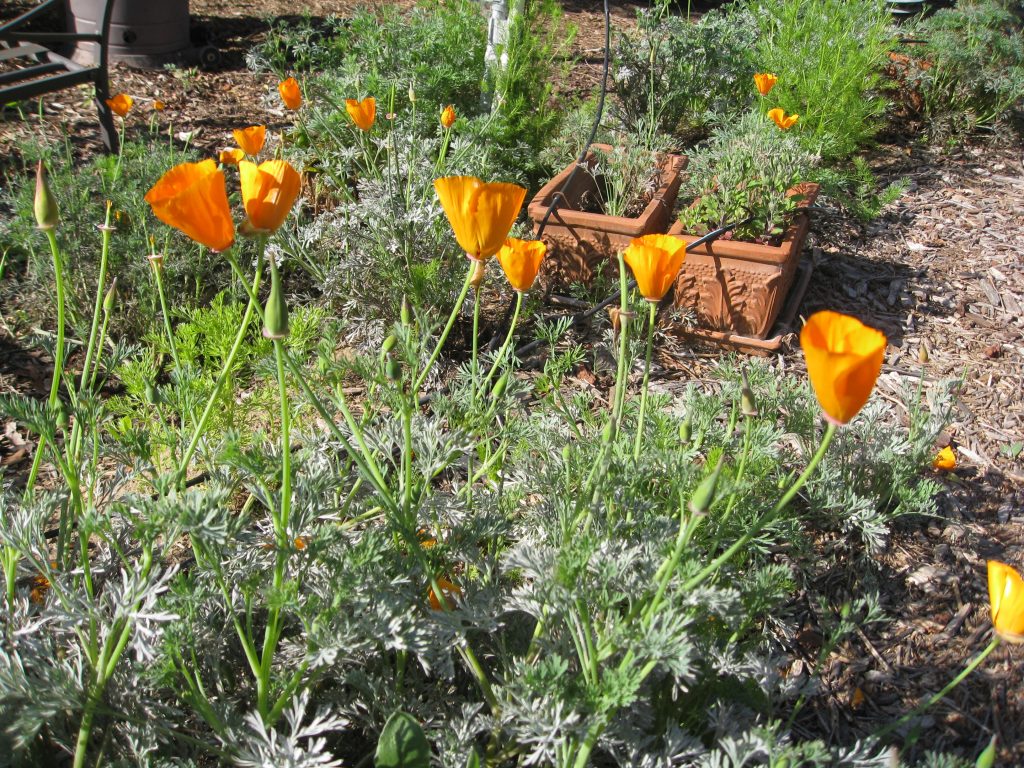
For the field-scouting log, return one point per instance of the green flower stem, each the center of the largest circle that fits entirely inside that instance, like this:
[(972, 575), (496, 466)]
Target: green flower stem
[(647, 378), (58, 353), (782, 503), (225, 370), (476, 345), (286, 453), (936, 698), (102, 340), (9, 559), (158, 275), (508, 340), (98, 305), (447, 329)]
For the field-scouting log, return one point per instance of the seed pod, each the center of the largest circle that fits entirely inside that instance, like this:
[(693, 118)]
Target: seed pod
[(704, 496), (44, 205), (275, 315)]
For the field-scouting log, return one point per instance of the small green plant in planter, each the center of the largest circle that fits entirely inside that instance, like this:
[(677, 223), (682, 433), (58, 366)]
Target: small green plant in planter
[(627, 174), (744, 174)]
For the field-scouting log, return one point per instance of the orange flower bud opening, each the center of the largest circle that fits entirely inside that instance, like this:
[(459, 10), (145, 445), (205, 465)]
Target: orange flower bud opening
[(251, 139), (765, 81), (781, 119), (291, 95), (159, 106), (192, 197), (363, 113), (945, 460), (448, 590), (481, 214), (448, 116), (231, 156), (521, 260), (269, 191), (1006, 598), (844, 358), (120, 104), (655, 261)]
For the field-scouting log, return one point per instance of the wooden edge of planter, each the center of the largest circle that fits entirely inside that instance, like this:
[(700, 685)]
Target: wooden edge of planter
[(660, 204), (784, 327), (764, 254)]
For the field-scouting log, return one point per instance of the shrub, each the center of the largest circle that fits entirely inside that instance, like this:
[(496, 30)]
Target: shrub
[(829, 56)]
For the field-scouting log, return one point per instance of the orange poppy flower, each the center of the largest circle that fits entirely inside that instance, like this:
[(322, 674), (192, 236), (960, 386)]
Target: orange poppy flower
[(251, 139), (121, 104), (844, 358), (448, 590), (230, 156), (192, 197), (268, 192), (448, 116), (655, 261), (520, 259), (363, 113), (781, 119), (765, 81), (290, 93), (1006, 597), (945, 460), (481, 214), (158, 105)]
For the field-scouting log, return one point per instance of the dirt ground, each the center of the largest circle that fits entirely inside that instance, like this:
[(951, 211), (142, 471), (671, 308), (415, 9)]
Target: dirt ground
[(941, 272)]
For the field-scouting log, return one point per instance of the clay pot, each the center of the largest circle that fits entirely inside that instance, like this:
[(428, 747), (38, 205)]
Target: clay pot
[(737, 289), (583, 244)]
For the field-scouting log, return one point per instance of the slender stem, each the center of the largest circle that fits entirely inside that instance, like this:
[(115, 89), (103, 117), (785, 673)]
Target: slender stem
[(476, 345), (508, 340), (98, 305), (746, 538), (936, 698), (447, 329), (58, 352), (225, 371), (647, 378), (158, 274), (286, 453)]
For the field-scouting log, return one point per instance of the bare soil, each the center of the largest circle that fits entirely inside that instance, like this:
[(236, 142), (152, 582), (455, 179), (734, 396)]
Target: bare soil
[(941, 272)]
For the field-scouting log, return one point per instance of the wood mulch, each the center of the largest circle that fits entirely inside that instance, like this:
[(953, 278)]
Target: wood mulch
[(940, 271)]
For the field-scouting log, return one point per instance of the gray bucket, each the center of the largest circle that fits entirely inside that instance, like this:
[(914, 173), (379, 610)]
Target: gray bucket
[(143, 33)]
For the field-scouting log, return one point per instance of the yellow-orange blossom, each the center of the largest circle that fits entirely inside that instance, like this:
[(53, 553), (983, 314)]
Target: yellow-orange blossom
[(251, 139), (363, 113), (1006, 598), (520, 260), (844, 358), (268, 192), (765, 81), (781, 119), (655, 261), (192, 197), (291, 95), (481, 213)]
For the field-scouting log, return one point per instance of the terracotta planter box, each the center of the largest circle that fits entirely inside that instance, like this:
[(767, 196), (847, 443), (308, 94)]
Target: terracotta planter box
[(582, 244), (738, 289)]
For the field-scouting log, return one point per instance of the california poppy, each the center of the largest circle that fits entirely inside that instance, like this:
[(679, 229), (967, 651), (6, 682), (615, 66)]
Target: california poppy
[(520, 259), (765, 81), (449, 591), (781, 119), (1006, 598), (481, 214), (363, 113), (290, 93), (844, 358), (945, 460), (159, 106), (268, 192), (192, 197), (655, 261), (448, 116), (121, 104), (230, 156), (251, 139)]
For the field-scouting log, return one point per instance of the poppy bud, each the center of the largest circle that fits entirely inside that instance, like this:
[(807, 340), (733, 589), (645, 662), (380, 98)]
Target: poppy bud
[(448, 117), (748, 406), (62, 415), (922, 354), (275, 314), (152, 393), (110, 298), (405, 314), (412, 94), (704, 496), (394, 370), (499, 388), (609, 432), (685, 429), (45, 206), (566, 454), (479, 270)]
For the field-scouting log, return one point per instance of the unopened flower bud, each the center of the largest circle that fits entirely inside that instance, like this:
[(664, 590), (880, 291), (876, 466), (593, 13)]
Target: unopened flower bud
[(704, 496), (45, 206), (405, 314), (609, 432), (389, 344), (566, 454), (152, 393), (499, 388), (275, 314), (685, 429), (412, 94), (393, 369), (748, 406), (110, 298), (62, 416), (922, 354), (479, 270)]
